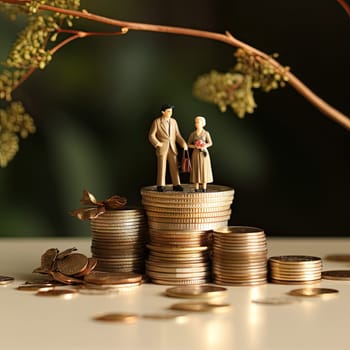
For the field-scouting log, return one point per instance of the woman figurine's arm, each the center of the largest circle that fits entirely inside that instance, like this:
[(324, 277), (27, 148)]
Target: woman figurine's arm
[(209, 142)]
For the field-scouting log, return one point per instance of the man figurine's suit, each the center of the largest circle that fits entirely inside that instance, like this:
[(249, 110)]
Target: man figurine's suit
[(163, 135)]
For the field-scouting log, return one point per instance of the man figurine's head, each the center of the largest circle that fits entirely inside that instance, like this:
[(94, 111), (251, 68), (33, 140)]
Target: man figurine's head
[(167, 110)]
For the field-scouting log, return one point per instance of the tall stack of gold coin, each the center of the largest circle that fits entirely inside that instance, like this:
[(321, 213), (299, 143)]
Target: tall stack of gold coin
[(118, 240), (295, 269), (239, 256), (179, 225)]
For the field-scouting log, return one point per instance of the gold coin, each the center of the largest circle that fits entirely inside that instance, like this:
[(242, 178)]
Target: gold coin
[(239, 230), (238, 283), (72, 264), (92, 262), (114, 287), (185, 217), (180, 282), (342, 275), (171, 276), (199, 306), (99, 277), (175, 250), (33, 287), (4, 280), (188, 190), (164, 316), (296, 259), (117, 317), (281, 300), (196, 291), (56, 292), (60, 277), (289, 282), (338, 257), (195, 227), (199, 210), (176, 270), (312, 292), (188, 221)]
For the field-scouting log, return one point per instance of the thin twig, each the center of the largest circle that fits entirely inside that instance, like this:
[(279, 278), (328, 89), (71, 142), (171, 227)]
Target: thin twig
[(227, 38), (345, 6)]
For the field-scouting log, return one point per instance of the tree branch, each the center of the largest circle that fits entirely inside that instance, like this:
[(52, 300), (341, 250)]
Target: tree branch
[(345, 6), (226, 38)]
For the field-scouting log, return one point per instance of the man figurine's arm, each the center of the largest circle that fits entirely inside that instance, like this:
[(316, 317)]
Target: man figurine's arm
[(179, 138), (152, 135)]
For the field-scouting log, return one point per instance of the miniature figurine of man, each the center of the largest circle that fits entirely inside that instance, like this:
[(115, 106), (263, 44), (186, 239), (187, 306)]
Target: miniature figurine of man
[(163, 135)]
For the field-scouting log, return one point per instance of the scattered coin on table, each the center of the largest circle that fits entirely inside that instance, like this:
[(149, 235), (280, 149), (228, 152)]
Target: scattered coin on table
[(338, 257), (4, 280), (117, 317), (196, 291), (199, 306), (278, 300), (56, 293), (34, 287), (312, 292), (165, 316), (340, 275)]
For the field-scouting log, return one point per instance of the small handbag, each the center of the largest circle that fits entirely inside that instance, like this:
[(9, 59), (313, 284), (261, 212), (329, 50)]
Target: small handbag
[(186, 166)]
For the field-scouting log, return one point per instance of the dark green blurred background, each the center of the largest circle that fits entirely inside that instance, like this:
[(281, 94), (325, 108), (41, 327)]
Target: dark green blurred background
[(94, 104)]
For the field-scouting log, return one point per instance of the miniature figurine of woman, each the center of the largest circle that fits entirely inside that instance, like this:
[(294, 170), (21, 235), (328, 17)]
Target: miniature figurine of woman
[(200, 141)]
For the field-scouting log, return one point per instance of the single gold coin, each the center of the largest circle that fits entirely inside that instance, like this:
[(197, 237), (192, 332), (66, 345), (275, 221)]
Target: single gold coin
[(196, 291), (34, 287), (4, 280), (165, 316), (92, 262), (56, 292), (295, 259), (117, 317), (72, 264), (60, 277), (312, 292), (341, 275), (199, 306), (100, 277), (338, 257), (280, 300)]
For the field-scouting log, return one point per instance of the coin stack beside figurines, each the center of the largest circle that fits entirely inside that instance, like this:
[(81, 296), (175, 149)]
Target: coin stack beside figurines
[(118, 240), (239, 256), (179, 227)]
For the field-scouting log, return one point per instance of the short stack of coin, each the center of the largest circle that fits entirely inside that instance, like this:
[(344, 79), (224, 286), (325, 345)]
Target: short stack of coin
[(239, 256), (179, 225), (118, 240), (295, 269)]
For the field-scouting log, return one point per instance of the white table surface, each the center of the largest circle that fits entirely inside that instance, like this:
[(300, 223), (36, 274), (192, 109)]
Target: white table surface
[(31, 322)]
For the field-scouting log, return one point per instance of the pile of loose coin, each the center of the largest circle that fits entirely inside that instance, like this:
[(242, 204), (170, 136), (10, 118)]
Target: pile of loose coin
[(118, 240), (295, 269), (66, 267), (239, 256), (179, 226)]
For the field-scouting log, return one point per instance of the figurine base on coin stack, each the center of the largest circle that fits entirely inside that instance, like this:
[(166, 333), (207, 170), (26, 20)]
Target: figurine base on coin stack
[(179, 226)]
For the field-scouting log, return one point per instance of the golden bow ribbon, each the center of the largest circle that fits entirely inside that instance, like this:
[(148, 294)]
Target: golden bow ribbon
[(96, 208)]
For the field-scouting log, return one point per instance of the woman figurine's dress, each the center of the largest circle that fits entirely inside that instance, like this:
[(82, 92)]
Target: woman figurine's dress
[(201, 166)]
